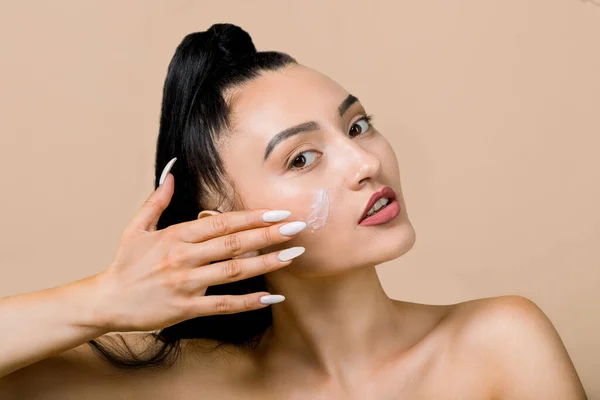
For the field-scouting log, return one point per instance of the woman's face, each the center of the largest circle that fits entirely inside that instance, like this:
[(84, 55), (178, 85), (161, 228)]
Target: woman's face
[(324, 176)]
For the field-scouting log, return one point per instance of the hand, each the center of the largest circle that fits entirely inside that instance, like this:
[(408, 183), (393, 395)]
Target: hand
[(159, 277)]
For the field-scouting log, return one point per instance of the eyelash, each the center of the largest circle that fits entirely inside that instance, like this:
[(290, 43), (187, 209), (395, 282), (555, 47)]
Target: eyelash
[(367, 117)]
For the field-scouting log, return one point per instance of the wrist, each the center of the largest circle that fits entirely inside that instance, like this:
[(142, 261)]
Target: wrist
[(90, 301)]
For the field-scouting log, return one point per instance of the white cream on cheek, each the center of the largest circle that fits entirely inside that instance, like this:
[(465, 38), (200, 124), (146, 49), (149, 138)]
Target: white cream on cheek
[(319, 210)]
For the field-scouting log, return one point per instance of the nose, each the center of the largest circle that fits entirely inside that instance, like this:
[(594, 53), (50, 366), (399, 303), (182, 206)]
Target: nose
[(365, 166)]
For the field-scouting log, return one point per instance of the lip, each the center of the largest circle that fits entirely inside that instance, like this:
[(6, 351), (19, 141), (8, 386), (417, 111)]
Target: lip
[(386, 192)]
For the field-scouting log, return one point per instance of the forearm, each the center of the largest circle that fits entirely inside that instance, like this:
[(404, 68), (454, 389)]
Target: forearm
[(38, 325)]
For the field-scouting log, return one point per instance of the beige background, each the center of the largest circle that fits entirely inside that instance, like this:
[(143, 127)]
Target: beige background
[(493, 108)]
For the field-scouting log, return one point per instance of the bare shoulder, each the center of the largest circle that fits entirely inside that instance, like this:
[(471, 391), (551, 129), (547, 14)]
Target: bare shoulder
[(517, 346)]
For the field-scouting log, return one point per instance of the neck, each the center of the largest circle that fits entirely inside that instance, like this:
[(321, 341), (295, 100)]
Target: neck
[(333, 323)]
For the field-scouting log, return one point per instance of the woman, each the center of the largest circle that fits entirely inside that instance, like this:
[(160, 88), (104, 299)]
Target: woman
[(272, 180)]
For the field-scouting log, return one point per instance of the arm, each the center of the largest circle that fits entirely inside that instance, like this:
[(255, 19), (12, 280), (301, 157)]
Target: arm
[(45, 323), (527, 353)]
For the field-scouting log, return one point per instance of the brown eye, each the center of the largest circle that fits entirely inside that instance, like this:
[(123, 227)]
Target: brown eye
[(361, 129), (299, 162)]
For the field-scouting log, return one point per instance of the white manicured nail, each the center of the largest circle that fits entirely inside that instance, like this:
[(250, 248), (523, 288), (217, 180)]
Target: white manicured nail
[(272, 299), (275, 215), (290, 253), (292, 228), (166, 170)]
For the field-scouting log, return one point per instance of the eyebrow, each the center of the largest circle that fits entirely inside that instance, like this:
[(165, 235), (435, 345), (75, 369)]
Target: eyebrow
[(305, 127)]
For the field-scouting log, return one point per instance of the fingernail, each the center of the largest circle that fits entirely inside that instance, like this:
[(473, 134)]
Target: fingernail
[(166, 170), (292, 228), (272, 299), (290, 253), (275, 215)]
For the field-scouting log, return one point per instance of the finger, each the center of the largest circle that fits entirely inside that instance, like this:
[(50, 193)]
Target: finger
[(249, 254), (230, 304), (238, 269), (238, 243), (212, 226), (147, 218)]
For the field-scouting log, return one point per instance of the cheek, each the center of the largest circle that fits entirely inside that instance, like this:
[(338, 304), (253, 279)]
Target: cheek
[(300, 202), (312, 207), (318, 212)]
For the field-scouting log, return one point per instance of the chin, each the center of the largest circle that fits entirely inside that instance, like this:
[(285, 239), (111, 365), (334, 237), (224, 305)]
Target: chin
[(391, 245), (405, 240)]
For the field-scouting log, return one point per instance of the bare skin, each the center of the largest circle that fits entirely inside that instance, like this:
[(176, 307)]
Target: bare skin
[(337, 335), (437, 358)]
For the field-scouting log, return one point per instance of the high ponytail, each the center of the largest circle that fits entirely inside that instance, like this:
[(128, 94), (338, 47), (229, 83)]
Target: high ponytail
[(194, 114)]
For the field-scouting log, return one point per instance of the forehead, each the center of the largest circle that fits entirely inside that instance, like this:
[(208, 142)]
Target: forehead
[(279, 99)]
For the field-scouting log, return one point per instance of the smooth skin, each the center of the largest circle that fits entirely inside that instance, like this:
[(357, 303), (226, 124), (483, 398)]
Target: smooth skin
[(337, 335)]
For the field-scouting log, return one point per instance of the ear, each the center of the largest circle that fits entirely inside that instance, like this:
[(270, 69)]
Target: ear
[(206, 213)]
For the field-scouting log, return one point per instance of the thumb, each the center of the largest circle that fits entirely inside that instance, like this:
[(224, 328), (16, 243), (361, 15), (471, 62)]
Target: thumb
[(147, 218)]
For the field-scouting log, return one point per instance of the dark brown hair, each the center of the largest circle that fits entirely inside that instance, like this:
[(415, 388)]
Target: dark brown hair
[(193, 116)]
